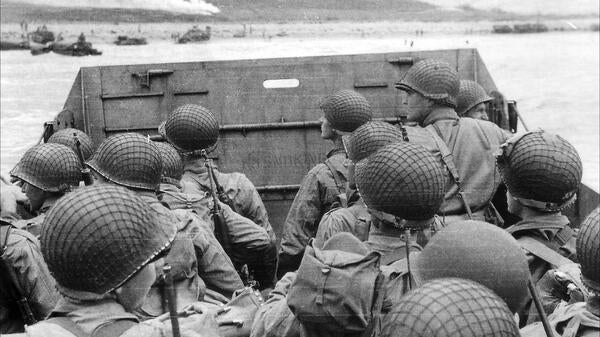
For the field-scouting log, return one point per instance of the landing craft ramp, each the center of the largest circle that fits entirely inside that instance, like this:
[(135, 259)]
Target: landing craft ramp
[(268, 109)]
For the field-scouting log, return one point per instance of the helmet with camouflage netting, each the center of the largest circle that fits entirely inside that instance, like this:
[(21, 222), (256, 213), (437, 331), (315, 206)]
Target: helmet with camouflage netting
[(191, 127), (128, 159), (171, 160), (402, 179), (67, 137), (450, 307), (98, 237), (470, 95), (471, 250), (588, 250), (434, 79), (346, 110), (370, 137), (49, 167), (541, 170)]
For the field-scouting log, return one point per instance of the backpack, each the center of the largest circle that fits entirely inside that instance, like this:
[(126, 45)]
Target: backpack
[(338, 290)]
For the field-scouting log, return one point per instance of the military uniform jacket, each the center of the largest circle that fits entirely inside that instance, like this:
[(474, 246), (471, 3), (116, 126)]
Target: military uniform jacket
[(472, 144), (317, 193), (39, 287), (354, 219), (237, 186), (567, 320)]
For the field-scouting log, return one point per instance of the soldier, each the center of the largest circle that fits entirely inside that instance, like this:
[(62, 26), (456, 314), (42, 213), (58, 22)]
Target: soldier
[(465, 144), (344, 111), (191, 126), (47, 172), (579, 318), (251, 243), (193, 130), (100, 244), (471, 100), (132, 161), (67, 137), (27, 290), (542, 172), (450, 307), (466, 249), (402, 206)]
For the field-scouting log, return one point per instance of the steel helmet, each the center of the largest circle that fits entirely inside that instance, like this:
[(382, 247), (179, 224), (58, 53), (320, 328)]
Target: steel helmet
[(470, 95), (67, 137), (96, 238), (346, 110), (370, 137), (450, 307), (402, 179), (588, 250), (480, 252), (540, 169), (434, 79), (171, 161), (50, 167), (191, 127), (128, 159)]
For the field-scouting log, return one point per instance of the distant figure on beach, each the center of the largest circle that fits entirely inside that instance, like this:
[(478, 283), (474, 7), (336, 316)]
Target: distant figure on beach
[(411, 42)]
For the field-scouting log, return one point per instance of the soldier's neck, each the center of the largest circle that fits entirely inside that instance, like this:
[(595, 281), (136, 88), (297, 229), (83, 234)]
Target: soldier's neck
[(439, 112), (337, 142)]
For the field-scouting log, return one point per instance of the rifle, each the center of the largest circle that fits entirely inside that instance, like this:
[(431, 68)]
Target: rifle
[(85, 172), (9, 284), (223, 197), (221, 230), (171, 300)]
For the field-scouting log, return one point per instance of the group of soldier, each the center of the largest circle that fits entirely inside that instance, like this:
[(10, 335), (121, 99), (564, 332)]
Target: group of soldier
[(395, 234)]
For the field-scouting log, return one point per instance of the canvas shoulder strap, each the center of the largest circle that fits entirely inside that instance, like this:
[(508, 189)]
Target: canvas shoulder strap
[(339, 182), (448, 160), (561, 237), (543, 252)]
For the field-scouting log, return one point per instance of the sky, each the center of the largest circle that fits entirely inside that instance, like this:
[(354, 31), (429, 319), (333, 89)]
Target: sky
[(527, 6), (179, 6)]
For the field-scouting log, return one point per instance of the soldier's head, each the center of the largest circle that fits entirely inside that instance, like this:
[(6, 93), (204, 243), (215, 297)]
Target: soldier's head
[(471, 100), (450, 307), (128, 159), (102, 239), (542, 171), (191, 127), (366, 140), (47, 170), (480, 252), (588, 254), (343, 112), (402, 179), (172, 163), (428, 84), (67, 137)]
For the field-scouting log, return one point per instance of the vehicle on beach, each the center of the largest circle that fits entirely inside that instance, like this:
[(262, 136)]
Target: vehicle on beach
[(124, 40), (267, 109)]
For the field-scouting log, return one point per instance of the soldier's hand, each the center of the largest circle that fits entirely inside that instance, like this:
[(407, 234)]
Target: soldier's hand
[(203, 322), (9, 196), (560, 285)]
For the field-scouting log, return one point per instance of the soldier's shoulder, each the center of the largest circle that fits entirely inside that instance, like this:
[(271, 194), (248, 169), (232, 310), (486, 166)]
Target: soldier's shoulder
[(488, 127)]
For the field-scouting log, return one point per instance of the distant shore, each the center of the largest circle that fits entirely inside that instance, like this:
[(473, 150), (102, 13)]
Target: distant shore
[(107, 32)]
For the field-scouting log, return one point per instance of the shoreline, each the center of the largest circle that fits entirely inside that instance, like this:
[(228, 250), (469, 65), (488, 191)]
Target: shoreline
[(108, 32)]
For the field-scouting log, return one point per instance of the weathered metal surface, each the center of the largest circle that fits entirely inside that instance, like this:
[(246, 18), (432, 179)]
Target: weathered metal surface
[(270, 134)]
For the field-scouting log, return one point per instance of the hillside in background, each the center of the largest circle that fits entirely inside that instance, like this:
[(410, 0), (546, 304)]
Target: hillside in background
[(274, 11)]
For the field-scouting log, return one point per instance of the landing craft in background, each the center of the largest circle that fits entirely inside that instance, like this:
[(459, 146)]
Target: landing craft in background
[(269, 132)]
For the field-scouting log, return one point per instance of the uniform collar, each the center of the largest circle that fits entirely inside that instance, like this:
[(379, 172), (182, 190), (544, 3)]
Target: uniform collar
[(334, 151), (47, 204), (440, 113)]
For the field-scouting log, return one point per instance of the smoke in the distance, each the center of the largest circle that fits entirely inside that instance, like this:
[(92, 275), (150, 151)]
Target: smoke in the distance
[(179, 6)]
